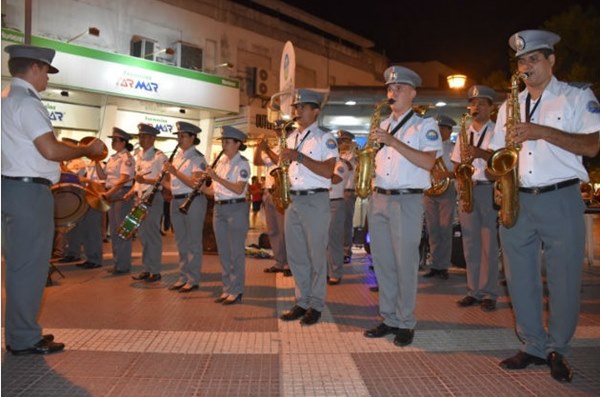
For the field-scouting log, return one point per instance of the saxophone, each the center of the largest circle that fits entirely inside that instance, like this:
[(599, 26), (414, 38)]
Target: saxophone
[(281, 178), (438, 186), (504, 163), (464, 171), (365, 169)]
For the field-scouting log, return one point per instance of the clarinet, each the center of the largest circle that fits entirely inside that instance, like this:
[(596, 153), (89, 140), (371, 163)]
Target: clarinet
[(150, 196), (183, 208)]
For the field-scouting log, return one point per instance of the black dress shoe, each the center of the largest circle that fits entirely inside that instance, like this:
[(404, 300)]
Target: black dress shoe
[(347, 259), (141, 276), (69, 258), (90, 265), (443, 274), (559, 367), (221, 298), (334, 281), (287, 273), (47, 337), (153, 278), (294, 313), (230, 300), (431, 273), (467, 301), (380, 331), (273, 269), (44, 346), (176, 286), (188, 287), (521, 360), (488, 305), (374, 288), (404, 337), (310, 317)]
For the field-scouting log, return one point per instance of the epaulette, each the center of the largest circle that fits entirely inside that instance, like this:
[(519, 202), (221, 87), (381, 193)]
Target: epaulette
[(580, 84), (199, 153), (243, 158)]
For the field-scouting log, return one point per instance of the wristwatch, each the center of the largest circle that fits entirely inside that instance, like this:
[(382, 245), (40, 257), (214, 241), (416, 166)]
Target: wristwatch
[(300, 158)]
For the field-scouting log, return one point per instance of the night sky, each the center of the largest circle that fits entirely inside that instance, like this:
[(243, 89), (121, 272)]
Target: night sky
[(469, 36)]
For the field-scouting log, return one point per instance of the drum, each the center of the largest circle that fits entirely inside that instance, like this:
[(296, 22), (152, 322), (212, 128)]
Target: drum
[(69, 177), (132, 221), (69, 203)]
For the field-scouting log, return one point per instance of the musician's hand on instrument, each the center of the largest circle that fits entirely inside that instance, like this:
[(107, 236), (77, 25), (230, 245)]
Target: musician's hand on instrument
[(288, 155), (383, 137), (168, 167), (528, 132), (468, 152), (210, 172), (139, 178), (96, 148)]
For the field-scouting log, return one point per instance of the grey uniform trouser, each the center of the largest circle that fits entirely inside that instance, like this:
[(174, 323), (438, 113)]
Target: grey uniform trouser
[(230, 222), (306, 236), (395, 226), (275, 230), (335, 248), (87, 232), (554, 222), (349, 204), (480, 244), (27, 234), (188, 236), (439, 218), (150, 236), (121, 249)]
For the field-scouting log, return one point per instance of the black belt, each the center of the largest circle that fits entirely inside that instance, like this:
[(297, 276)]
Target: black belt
[(483, 182), (396, 192), (232, 201), (181, 196), (336, 199), (549, 188), (308, 192), (28, 179), (349, 190)]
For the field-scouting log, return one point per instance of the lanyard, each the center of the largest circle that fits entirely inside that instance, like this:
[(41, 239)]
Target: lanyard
[(480, 138), (296, 144), (528, 105), (400, 125)]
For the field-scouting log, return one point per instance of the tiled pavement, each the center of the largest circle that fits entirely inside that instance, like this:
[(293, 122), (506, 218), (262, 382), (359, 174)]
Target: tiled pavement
[(128, 338)]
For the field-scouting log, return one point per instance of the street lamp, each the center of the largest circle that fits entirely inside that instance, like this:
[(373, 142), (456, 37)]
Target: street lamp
[(456, 81)]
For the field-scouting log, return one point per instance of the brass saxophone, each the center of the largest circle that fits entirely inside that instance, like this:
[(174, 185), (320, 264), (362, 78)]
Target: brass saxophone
[(504, 163), (438, 186), (365, 170), (465, 170), (281, 177)]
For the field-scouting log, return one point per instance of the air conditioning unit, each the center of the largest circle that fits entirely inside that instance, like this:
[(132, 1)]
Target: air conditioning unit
[(261, 82), (143, 47), (187, 55)]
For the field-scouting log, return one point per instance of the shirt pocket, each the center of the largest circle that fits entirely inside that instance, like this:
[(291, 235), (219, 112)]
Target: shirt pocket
[(555, 119)]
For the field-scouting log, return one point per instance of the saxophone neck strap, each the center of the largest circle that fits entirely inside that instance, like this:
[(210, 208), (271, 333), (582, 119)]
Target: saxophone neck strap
[(400, 125)]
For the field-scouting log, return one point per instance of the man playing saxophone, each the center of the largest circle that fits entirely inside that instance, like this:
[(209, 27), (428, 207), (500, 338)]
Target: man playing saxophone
[(479, 227), (560, 123), (410, 147), (440, 206), (312, 154)]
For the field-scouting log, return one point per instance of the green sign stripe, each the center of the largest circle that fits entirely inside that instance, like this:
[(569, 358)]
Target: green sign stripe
[(18, 37)]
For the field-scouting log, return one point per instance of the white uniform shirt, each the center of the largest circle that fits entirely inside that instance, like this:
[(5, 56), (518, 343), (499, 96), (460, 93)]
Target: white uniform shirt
[(24, 118), (393, 170), (149, 165), (187, 163), (337, 189), (479, 164), (118, 164), (351, 158), (236, 169), (316, 144), (567, 108)]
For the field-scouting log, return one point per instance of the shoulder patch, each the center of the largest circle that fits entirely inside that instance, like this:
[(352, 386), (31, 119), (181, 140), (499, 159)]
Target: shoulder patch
[(331, 143), (244, 174), (593, 107), (432, 135)]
